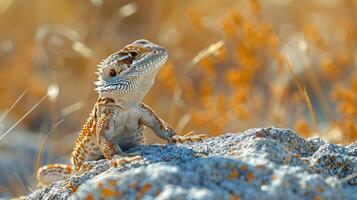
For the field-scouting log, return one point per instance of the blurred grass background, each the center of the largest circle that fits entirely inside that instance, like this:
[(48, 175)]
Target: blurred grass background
[(233, 65)]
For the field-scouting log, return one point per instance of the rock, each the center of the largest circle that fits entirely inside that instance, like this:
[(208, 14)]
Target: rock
[(264, 163)]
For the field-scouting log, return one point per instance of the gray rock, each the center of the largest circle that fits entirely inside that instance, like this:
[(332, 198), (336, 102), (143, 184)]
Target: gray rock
[(267, 163)]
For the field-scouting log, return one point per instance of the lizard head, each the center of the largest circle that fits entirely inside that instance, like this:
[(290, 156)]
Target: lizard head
[(128, 74)]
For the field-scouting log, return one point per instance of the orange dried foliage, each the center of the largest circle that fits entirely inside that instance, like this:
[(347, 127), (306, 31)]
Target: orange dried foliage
[(236, 17), (221, 105), (228, 27), (195, 18), (223, 89), (346, 100), (255, 7), (312, 34), (303, 127), (239, 78), (329, 69), (188, 90), (244, 83), (208, 67), (167, 76)]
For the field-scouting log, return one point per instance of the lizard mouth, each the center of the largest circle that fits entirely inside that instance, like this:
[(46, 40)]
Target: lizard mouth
[(119, 85)]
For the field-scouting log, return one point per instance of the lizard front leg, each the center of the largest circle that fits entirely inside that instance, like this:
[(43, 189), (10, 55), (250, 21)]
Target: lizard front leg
[(162, 129), (110, 150), (105, 127)]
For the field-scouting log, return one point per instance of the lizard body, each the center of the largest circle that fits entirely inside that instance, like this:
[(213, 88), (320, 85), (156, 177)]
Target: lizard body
[(117, 120)]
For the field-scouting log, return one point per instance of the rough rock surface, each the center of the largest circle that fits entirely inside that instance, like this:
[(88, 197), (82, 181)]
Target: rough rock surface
[(264, 163)]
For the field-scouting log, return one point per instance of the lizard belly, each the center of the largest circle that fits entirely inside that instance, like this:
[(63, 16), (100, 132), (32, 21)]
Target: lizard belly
[(127, 130)]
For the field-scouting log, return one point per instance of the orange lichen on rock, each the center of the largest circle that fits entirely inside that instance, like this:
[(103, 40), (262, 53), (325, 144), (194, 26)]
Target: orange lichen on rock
[(250, 177), (243, 167), (89, 197), (233, 175), (109, 192)]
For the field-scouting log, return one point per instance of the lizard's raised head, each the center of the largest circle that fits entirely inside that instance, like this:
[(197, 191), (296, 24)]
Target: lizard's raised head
[(131, 71)]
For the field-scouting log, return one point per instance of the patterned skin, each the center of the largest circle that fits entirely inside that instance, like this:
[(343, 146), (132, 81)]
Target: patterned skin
[(118, 118)]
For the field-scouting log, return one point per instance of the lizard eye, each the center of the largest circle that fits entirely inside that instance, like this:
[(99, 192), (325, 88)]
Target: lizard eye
[(133, 54), (112, 72)]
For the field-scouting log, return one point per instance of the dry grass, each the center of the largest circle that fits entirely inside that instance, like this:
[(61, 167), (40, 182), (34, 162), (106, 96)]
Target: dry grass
[(227, 70)]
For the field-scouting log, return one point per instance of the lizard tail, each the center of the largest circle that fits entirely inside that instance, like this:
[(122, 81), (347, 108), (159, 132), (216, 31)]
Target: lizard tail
[(53, 172)]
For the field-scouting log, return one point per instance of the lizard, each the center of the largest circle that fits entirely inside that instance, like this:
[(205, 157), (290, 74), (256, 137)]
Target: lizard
[(118, 117)]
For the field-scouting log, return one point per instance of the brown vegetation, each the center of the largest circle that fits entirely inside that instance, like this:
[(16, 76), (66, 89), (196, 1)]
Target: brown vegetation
[(232, 65), (228, 69)]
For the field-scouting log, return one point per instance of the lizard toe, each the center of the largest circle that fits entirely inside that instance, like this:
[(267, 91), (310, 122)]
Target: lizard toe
[(124, 160), (189, 137)]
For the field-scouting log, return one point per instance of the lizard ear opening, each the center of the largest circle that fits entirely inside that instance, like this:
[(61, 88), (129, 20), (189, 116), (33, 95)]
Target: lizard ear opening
[(107, 100), (112, 72)]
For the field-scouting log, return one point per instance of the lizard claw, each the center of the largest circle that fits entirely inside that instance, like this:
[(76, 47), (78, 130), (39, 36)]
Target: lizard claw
[(189, 137), (123, 160)]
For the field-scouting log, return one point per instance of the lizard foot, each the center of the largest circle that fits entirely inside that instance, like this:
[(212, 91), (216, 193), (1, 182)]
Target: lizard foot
[(131, 154), (123, 160), (189, 137), (71, 187)]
